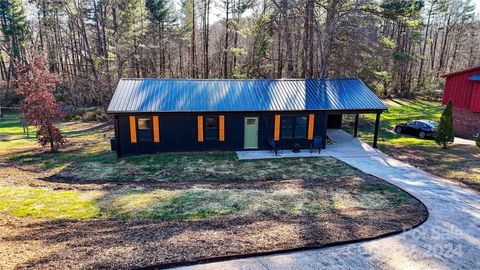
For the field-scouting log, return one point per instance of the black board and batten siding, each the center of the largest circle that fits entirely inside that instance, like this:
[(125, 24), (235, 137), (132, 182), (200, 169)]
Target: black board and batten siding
[(178, 132), (177, 104)]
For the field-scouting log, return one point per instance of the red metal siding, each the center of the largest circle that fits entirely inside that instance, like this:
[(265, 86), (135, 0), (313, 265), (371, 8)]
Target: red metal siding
[(459, 89), (475, 103)]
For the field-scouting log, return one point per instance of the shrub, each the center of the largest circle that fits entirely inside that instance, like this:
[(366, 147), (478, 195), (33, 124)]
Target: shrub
[(445, 134), (478, 140), (89, 116), (95, 115)]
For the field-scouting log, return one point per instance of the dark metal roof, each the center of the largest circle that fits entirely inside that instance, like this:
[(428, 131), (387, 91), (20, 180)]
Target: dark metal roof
[(188, 95), (475, 77)]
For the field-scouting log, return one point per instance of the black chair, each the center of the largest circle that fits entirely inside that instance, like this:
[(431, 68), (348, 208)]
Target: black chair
[(273, 146), (316, 144)]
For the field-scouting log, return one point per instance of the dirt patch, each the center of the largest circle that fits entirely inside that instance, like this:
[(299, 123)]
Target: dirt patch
[(459, 162), (113, 244), (123, 244)]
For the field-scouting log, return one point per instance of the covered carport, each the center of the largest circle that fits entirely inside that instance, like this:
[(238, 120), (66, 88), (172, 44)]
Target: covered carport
[(335, 118)]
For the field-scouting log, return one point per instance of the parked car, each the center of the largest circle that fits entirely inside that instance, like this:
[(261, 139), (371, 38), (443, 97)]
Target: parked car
[(419, 128)]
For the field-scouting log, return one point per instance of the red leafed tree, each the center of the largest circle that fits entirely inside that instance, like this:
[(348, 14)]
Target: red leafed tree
[(39, 107)]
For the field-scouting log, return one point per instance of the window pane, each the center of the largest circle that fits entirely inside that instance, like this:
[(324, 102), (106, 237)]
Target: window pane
[(211, 134), (251, 121), (287, 133), (211, 121), (211, 128), (287, 121), (300, 127), (301, 121), (144, 123), (300, 132), (286, 127)]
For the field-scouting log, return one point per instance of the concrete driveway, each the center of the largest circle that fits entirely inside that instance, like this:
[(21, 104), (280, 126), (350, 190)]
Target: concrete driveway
[(449, 239)]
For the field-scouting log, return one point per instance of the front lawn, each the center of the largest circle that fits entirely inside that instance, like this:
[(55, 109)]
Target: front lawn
[(460, 162), (58, 209)]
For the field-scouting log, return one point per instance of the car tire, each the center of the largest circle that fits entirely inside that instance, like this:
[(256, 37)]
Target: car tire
[(421, 135), (398, 130)]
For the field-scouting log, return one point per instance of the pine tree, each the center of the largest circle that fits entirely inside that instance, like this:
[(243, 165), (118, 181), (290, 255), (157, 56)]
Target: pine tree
[(445, 134), (478, 140), (14, 26)]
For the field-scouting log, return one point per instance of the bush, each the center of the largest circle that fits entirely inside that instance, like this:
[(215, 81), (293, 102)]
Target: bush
[(445, 134), (74, 114), (96, 115), (478, 140)]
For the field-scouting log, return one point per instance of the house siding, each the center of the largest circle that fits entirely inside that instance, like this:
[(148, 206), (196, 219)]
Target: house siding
[(464, 92), (179, 132), (461, 90)]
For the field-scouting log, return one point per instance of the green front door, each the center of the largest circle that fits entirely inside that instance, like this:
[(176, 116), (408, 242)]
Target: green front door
[(251, 133)]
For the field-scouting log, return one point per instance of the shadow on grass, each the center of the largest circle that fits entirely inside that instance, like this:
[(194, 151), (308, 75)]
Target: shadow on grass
[(85, 131), (128, 244)]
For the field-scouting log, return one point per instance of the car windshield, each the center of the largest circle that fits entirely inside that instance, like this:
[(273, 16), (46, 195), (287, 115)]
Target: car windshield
[(432, 123)]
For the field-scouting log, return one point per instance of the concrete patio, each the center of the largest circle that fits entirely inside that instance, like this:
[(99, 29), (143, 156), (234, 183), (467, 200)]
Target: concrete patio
[(449, 239), (344, 144)]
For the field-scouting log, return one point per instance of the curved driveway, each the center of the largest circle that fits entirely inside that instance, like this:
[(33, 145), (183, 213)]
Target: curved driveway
[(449, 239)]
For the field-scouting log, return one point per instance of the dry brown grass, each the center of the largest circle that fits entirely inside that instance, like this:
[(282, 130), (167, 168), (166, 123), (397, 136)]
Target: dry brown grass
[(178, 207)]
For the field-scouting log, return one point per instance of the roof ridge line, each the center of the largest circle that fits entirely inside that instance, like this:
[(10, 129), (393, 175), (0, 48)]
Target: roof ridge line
[(259, 79)]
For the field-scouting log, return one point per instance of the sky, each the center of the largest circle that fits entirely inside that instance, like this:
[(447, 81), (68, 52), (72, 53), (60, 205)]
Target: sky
[(217, 14)]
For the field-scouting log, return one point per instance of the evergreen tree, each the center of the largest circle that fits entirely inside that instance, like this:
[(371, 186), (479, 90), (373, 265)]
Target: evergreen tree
[(161, 17), (445, 133), (14, 26), (478, 140)]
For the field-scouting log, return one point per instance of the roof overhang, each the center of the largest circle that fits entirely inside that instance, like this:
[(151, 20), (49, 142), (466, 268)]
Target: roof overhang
[(460, 72), (341, 111), (475, 77)]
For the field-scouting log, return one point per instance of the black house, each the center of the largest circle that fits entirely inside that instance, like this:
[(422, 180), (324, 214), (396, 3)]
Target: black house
[(160, 115)]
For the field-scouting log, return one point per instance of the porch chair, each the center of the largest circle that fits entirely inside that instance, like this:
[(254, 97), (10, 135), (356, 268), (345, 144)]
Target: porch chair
[(316, 144), (273, 146)]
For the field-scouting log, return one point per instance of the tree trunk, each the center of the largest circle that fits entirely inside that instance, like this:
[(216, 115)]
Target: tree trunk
[(225, 47), (194, 73), (424, 48)]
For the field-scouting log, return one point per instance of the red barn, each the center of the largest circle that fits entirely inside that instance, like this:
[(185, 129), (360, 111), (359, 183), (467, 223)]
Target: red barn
[(463, 88)]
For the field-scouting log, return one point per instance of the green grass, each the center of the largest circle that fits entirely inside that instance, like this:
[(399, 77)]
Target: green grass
[(102, 165), (12, 125), (47, 203), (11, 133), (401, 111), (458, 162), (190, 203), (87, 157), (97, 163)]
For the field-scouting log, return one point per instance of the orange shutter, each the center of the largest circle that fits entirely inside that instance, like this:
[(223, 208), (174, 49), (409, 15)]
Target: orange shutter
[(156, 130), (200, 128), (221, 129), (133, 130), (276, 134), (311, 120)]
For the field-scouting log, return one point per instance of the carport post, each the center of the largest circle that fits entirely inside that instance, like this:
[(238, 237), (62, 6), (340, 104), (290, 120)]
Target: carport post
[(355, 131), (375, 136)]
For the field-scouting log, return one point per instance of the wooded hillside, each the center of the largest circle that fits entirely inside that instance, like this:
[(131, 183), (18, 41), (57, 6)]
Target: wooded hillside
[(398, 47)]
